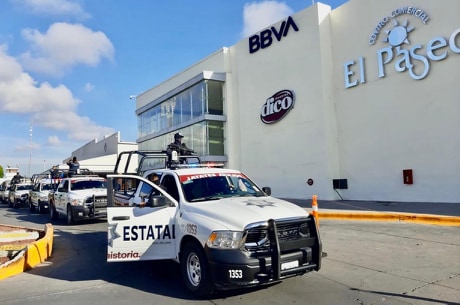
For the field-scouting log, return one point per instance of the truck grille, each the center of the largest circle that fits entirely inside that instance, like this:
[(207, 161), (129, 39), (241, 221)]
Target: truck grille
[(99, 201), (289, 233)]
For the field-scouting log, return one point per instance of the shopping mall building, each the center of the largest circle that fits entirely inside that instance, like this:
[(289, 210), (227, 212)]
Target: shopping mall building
[(358, 103)]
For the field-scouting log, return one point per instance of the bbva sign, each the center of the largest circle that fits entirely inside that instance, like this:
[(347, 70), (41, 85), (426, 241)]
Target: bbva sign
[(265, 38)]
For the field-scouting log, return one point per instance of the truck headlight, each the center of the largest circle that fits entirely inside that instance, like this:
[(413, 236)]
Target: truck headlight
[(76, 202), (225, 240)]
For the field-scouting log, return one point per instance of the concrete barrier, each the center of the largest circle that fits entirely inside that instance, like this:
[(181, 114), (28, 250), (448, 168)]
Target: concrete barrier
[(390, 216), (33, 254)]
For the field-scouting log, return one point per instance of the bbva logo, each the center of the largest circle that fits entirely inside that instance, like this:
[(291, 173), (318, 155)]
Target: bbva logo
[(264, 39), (277, 106)]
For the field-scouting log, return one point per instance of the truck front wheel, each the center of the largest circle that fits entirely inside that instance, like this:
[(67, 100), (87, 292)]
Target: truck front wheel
[(195, 270), (53, 213), (70, 219), (40, 207)]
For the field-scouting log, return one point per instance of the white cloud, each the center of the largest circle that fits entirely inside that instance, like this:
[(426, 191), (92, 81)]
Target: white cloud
[(53, 8), (54, 53), (259, 15), (89, 87), (53, 141), (26, 147), (54, 108), (78, 128), (19, 93)]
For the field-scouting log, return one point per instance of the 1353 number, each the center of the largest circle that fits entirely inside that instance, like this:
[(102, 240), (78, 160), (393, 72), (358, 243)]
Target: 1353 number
[(235, 274)]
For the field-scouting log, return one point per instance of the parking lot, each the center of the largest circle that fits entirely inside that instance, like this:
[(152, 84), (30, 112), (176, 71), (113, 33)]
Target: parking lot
[(366, 263)]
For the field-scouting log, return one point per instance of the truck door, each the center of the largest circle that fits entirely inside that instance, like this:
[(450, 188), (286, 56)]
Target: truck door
[(60, 197), (137, 232)]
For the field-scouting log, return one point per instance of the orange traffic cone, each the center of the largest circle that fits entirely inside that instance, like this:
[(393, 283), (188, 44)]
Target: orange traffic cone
[(314, 207)]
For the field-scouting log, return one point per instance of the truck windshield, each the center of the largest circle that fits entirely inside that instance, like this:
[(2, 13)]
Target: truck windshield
[(24, 187), (84, 185), (213, 187), (47, 187)]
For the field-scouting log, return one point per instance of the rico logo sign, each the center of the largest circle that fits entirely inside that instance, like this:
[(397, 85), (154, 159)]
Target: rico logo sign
[(277, 106)]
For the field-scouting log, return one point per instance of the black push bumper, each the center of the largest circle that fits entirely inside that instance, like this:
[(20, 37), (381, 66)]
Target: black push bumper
[(239, 268), (88, 212)]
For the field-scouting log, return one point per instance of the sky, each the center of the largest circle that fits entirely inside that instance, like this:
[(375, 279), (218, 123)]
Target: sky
[(69, 67)]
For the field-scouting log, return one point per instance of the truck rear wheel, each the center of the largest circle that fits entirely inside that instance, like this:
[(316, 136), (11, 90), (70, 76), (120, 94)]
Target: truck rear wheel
[(195, 270)]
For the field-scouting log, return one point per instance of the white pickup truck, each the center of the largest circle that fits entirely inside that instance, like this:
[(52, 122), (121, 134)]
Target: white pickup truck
[(224, 230), (79, 198), (38, 196)]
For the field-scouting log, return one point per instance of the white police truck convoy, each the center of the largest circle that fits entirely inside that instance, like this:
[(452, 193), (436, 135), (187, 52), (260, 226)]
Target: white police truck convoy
[(223, 230)]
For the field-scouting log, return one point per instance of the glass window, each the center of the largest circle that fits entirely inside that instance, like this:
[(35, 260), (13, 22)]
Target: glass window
[(215, 97), (216, 138), (197, 98), (205, 137), (205, 97)]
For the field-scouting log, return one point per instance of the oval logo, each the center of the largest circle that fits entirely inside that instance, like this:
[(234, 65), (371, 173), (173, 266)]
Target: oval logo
[(277, 106)]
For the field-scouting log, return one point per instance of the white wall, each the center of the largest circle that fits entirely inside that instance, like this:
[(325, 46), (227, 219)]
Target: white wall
[(101, 155), (393, 123), (285, 154)]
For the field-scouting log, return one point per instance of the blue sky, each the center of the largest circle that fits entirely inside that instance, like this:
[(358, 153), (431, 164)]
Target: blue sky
[(68, 67)]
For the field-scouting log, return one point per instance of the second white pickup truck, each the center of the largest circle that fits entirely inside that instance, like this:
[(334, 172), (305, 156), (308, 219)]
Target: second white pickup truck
[(79, 198)]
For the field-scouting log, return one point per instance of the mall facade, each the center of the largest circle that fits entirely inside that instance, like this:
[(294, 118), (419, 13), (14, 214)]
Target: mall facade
[(357, 103)]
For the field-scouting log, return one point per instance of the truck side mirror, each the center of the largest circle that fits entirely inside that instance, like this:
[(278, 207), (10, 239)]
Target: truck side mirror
[(267, 190), (157, 201)]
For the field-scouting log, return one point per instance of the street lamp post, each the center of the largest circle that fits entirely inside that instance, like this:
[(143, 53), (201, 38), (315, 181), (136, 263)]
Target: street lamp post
[(30, 148)]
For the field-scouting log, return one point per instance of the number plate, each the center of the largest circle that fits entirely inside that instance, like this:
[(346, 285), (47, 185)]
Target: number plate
[(100, 205), (289, 265)]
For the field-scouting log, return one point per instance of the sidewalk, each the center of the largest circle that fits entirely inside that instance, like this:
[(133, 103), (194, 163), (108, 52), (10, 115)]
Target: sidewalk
[(422, 212)]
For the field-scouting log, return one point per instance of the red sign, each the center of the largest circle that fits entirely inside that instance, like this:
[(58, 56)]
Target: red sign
[(277, 106)]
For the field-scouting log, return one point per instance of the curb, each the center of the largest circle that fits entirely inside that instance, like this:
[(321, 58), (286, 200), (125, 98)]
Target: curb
[(34, 254), (391, 216)]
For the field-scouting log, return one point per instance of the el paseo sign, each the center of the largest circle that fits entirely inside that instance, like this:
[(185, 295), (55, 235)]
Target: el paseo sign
[(416, 60)]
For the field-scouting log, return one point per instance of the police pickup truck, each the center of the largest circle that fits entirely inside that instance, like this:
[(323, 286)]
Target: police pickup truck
[(224, 230), (19, 193), (78, 198), (38, 196)]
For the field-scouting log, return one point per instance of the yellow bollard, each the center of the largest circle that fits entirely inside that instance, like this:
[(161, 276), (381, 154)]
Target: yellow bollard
[(314, 206)]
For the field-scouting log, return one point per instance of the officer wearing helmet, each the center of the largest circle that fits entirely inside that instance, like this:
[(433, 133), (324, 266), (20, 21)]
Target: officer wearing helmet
[(178, 146)]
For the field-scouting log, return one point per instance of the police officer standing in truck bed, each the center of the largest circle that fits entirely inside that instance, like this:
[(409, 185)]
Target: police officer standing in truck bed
[(178, 146)]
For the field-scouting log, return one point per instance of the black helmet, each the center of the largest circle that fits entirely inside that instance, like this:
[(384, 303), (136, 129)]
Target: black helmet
[(178, 135)]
